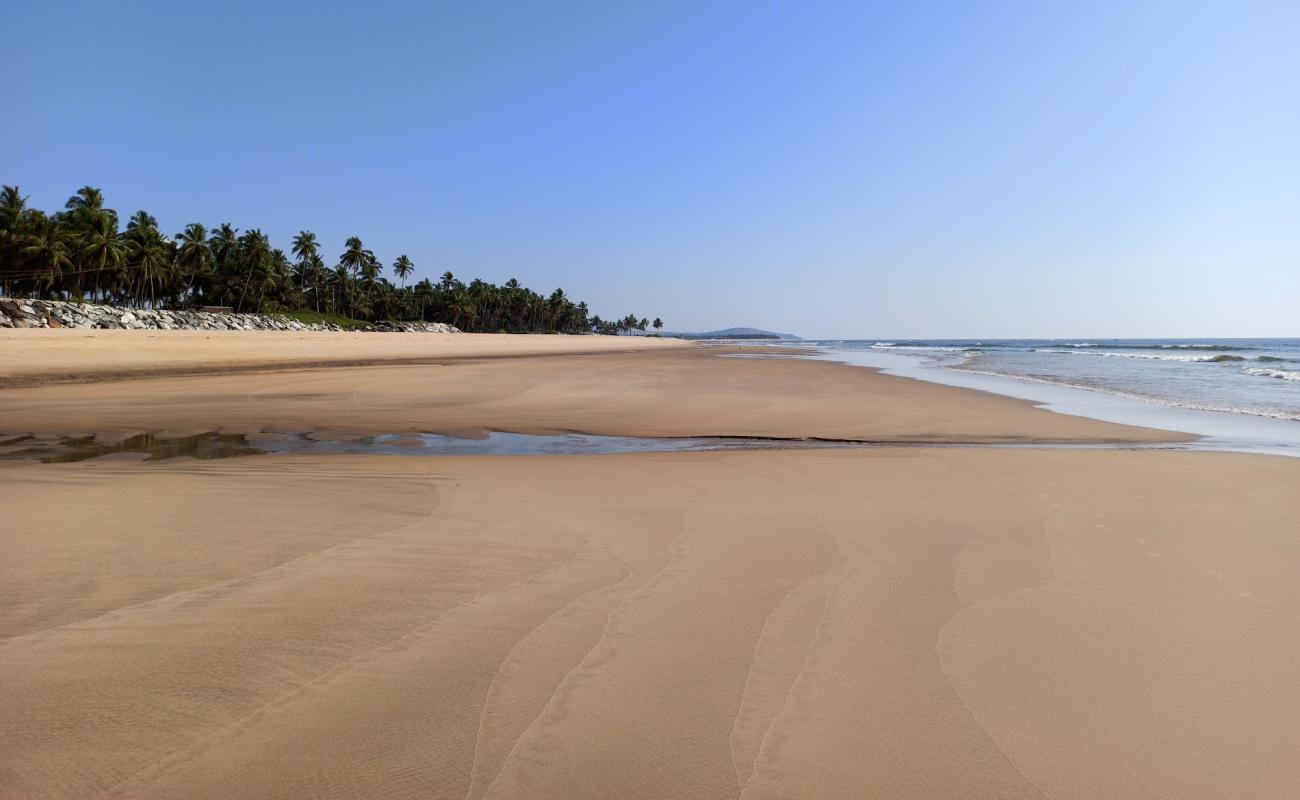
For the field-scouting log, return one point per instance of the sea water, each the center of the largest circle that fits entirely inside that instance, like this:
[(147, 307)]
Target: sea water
[(1240, 392)]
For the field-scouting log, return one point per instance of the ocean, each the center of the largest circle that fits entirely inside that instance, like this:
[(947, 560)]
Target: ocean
[(1239, 390)]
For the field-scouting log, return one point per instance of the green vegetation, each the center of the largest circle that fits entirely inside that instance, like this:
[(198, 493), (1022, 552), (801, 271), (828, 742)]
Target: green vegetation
[(310, 317), (81, 253)]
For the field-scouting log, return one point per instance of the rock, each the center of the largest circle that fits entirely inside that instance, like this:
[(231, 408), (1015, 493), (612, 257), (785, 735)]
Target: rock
[(64, 314)]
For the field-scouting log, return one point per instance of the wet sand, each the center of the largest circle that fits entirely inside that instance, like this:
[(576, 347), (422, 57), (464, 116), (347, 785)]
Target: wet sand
[(892, 622)]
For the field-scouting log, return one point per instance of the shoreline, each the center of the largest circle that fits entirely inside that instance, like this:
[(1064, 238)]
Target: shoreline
[(1216, 429)]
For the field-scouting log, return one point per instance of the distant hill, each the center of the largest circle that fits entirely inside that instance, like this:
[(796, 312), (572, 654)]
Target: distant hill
[(733, 333)]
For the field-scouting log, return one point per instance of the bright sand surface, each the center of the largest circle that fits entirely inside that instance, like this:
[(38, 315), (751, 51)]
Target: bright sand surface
[(895, 622), (52, 355)]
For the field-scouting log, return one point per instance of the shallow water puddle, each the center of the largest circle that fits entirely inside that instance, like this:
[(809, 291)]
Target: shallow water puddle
[(209, 445), (152, 446), (155, 447)]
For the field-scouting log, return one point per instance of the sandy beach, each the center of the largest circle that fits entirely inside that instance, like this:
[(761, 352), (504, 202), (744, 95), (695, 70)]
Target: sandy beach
[(894, 621)]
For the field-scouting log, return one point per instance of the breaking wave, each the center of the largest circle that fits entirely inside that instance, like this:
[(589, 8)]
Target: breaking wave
[(1269, 372)]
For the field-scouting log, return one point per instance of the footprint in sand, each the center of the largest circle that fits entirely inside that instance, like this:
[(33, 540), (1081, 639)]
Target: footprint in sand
[(1245, 594)]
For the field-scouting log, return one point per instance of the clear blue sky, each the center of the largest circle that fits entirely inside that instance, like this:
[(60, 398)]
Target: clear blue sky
[(829, 169)]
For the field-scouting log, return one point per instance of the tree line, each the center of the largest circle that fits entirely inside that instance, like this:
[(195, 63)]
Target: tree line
[(83, 253)]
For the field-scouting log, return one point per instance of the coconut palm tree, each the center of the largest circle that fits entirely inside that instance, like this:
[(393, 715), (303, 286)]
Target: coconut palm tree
[(149, 252), (84, 209), (306, 248), (12, 205), (340, 289), (13, 209), (403, 268), (47, 254), (87, 198), (193, 255), (255, 256), (370, 270), (318, 273), (423, 293), (354, 257), (102, 248)]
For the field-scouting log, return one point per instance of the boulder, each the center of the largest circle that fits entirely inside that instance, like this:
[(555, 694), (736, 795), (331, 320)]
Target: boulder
[(15, 313)]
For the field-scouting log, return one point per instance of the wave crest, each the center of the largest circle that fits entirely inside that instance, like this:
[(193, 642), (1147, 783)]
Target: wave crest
[(1269, 372)]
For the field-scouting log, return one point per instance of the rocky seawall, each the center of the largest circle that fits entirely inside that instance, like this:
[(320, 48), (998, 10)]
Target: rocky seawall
[(62, 314)]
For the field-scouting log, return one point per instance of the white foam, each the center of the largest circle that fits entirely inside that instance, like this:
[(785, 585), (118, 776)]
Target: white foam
[(1267, 372), (919, 347), (1242, 429), (1161, 401), (1143, 356)]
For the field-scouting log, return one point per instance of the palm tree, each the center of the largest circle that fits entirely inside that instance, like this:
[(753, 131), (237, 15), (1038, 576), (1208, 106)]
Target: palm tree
[(340, 290), (403, 268), (461, 308), (354, 257), (12, 205), (88, 198), (370, 270), (47, 253), (224, 244), (316, 268), (255, 253), (148, 251), (424, 294), (306, 248), (13, 209), (276, 279), (84, 208), (193, 254), (658, 324), (102, 247)]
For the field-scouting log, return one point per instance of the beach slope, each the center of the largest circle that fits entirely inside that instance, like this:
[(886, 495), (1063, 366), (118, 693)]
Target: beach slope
[(924, 622)]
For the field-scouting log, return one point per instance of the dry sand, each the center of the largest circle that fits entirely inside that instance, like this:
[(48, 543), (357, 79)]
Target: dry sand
[(40, 356), (816, 624)]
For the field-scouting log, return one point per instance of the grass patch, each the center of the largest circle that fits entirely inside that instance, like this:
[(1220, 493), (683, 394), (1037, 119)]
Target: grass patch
[(310, 317)]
